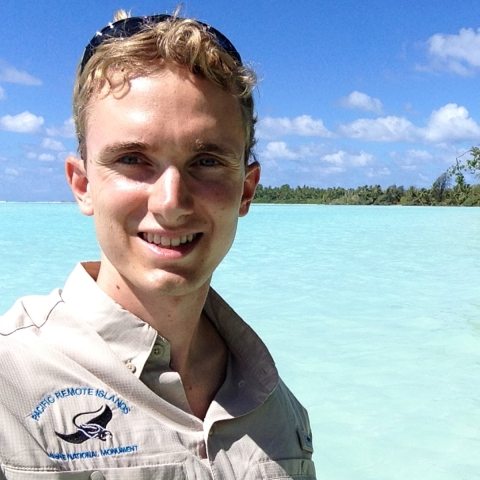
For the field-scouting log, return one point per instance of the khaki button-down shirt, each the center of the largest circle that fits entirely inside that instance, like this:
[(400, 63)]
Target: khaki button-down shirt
[(86, 392)]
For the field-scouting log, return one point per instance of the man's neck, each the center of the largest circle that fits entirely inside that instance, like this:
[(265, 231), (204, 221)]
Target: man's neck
[(198, 353)]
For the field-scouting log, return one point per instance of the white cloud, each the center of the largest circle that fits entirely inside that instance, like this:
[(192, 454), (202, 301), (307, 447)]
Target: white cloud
[(450, 123), (24, 122), (270, 128), (337, 158), (419, 155), (341, 157), (31, 155), (417, 159), (46, 157), (331, 170), (362, 101), (51, 144), (12, 171), (412, 159), (12, 75), (280, 150), (361, 159), (66, 130), (314, 158), (458, 53), (275, 150), (384, 129), (378, 172), (2, 93)]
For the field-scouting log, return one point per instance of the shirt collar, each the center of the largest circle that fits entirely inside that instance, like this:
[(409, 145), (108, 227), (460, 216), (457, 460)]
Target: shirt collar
[(127, 335), (252, 358)]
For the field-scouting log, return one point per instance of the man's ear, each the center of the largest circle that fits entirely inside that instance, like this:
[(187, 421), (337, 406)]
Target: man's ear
[(249, 185), (78, 181)]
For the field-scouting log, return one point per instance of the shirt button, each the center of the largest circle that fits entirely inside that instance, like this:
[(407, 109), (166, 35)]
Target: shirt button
[(97, 476), (158, 350), (133, 369)]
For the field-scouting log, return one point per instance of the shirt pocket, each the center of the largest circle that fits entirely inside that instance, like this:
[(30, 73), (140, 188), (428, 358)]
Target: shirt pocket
[(293, 468), (171, 471)]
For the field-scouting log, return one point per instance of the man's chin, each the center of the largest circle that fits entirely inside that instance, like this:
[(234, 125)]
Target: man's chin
[(173, 284)]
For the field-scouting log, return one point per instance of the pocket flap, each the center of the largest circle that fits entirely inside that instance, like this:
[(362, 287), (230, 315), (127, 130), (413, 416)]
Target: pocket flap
[(172, 471)]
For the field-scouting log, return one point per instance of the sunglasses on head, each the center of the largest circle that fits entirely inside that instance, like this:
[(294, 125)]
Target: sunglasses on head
[(130, 26)]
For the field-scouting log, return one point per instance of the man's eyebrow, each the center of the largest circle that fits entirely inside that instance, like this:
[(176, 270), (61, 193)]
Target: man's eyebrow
[(119, 147), (218, 149)]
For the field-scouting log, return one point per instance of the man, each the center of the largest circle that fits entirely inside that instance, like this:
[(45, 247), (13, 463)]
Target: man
[(137, 369)]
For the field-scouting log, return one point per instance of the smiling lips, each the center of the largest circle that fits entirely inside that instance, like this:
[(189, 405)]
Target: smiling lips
[(168, 242)]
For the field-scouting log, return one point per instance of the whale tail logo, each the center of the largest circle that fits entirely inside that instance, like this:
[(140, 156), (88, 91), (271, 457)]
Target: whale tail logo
[(94, 428)]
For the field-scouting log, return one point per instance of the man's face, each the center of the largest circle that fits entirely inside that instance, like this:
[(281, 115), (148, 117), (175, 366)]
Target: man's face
[(165, 180)]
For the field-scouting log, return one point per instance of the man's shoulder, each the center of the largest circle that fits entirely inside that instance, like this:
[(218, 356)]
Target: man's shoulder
[(300, 413), (291, 399), (28, 313)]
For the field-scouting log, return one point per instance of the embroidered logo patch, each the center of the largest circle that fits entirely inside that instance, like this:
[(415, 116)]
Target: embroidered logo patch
[(93, 428), (91, 410)]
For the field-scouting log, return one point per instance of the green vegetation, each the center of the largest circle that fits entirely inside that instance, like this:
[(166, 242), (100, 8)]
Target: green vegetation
[(450, 188)]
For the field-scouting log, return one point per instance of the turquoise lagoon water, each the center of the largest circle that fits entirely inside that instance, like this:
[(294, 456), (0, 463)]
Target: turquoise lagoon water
[(372, 314)]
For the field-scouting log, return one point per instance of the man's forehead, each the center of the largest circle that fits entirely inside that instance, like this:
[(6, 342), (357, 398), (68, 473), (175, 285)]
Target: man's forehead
[(162, 86), (118, 81), (166, 107)]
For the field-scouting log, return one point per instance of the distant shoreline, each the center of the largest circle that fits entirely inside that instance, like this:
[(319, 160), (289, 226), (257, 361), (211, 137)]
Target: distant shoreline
[(440, 194)]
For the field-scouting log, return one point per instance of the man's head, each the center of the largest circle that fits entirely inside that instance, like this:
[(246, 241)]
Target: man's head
[(165, 124), (138, 46)]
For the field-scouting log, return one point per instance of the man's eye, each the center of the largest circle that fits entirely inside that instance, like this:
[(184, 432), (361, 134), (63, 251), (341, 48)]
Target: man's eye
[(130, 160), (208, 162)]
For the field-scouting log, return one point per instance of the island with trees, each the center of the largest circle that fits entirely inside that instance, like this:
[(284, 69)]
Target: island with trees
[(449, 189)]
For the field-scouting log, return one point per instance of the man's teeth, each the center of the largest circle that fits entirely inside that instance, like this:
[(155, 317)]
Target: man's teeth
[(168, 242)]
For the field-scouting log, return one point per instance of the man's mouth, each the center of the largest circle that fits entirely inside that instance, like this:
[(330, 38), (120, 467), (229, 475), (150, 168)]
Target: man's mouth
[(169, 242)]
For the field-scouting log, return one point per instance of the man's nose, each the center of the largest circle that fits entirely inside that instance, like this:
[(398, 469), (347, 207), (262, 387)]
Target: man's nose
[(170, 197)]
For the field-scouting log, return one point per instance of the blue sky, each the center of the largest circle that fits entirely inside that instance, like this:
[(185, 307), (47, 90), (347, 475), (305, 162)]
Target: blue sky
[(351, 93)]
